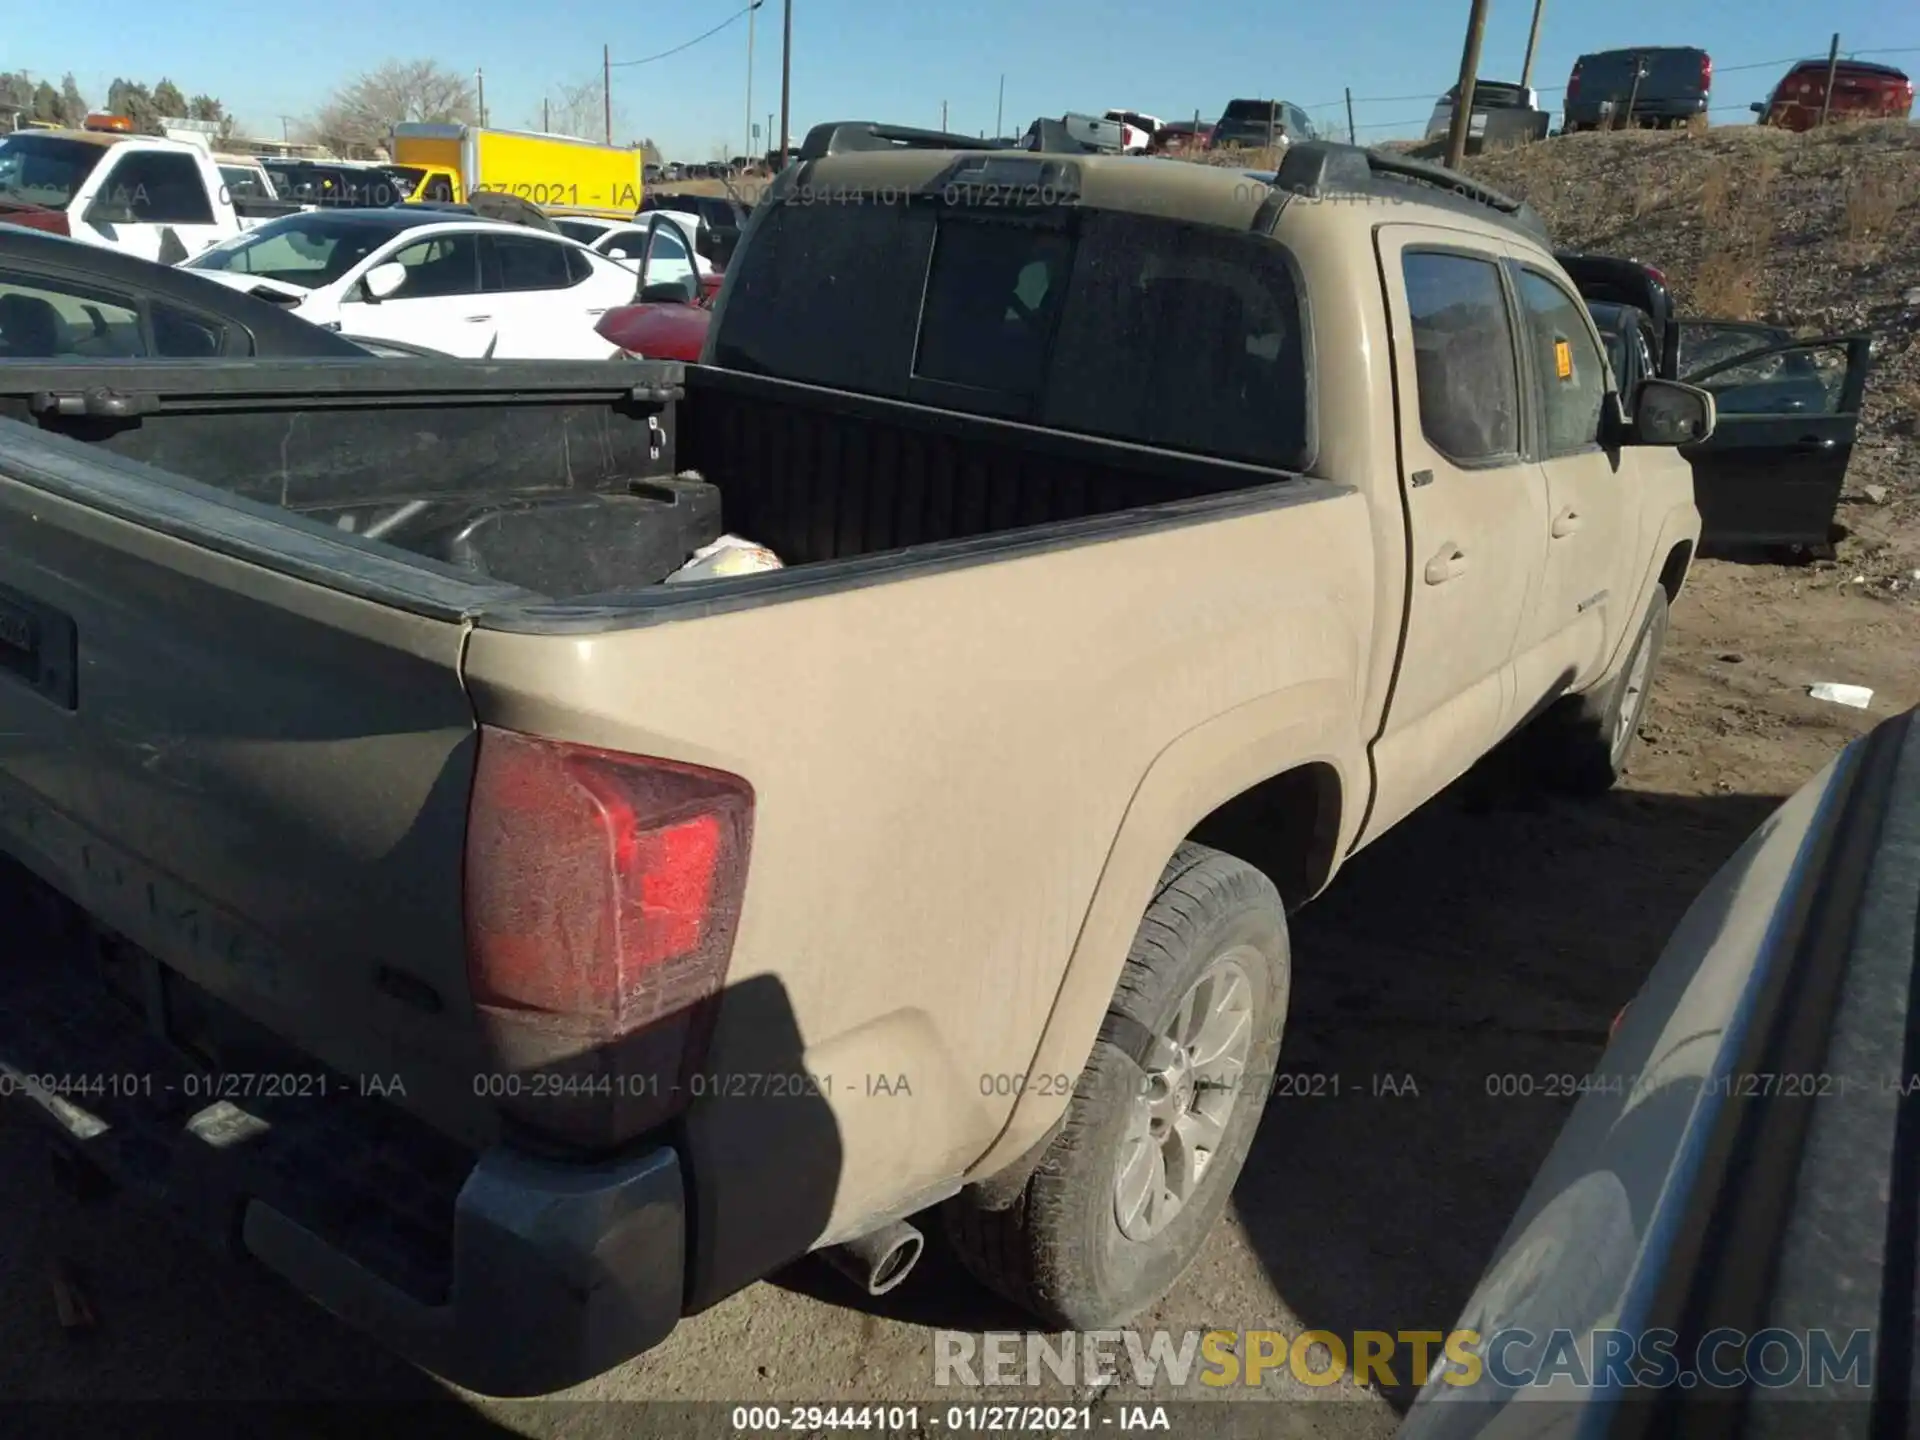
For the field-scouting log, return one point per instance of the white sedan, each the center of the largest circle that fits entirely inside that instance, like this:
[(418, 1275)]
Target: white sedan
[(470, 288)]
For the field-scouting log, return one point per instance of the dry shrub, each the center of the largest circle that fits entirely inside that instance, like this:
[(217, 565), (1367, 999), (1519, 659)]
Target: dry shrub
[(1716, 194), (1738, 224), (1250, 157), (1872, 205)]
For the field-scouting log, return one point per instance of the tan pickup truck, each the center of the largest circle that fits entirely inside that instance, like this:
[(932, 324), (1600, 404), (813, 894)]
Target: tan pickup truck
[(518, 953)]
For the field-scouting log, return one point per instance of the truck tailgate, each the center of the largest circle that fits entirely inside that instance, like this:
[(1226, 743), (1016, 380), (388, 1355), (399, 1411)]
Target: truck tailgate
[(258, 780)]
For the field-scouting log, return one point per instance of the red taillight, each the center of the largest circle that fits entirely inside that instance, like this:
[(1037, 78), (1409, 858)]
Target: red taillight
[(1706, 72), (1659, 277), (602, 895), (1573, 83)]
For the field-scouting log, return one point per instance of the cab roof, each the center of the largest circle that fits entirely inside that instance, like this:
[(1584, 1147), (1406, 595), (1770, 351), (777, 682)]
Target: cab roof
[(861, 156)]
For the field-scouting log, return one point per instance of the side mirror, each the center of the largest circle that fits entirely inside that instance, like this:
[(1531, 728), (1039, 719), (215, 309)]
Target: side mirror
[(1758, 107), (383, 280), (683, 291), (1665, 412)]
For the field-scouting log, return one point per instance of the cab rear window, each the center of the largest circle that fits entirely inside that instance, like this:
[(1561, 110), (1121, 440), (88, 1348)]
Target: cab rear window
[(1135, 328)]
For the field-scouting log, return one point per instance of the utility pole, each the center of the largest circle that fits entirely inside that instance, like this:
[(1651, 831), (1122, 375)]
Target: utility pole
[(1469, 68), (606, 87), (1352, 134), (1833, 64), (786, 76), (546, 117), (748, 152), (999, 110), (1533, 43), (943, 117), (1633, 95), (480, 94)]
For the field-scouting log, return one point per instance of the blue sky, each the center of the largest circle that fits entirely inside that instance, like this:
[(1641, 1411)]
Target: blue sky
[(859, 59)]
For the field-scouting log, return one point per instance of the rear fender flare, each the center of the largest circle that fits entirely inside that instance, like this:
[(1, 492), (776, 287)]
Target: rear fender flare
[(1310, 723)]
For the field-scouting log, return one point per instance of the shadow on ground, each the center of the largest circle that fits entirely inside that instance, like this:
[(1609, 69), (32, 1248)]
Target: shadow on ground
[(1452, 981)]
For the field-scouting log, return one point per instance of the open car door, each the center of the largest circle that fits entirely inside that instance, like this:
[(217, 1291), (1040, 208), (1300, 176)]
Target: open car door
[(1789, 412)]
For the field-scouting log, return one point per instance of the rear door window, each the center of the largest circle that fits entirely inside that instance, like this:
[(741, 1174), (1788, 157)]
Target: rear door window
[(43, 318), (1464, 367), (528, 264)]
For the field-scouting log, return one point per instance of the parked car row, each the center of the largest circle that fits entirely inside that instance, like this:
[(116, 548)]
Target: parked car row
[(1648, 87), (1660, 87)]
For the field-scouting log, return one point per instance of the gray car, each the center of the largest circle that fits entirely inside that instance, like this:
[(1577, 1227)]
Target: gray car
[(1728, 1219)]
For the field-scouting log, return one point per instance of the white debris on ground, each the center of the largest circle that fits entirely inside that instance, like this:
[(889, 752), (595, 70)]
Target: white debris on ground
[(1858, 696)]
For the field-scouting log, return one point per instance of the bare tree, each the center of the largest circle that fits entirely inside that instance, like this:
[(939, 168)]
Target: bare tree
[(73, 105), (363, 112), (578, 110)]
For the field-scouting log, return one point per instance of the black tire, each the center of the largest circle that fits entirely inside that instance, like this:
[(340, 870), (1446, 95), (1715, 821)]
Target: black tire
[(1583, 743), (1058, 1250)]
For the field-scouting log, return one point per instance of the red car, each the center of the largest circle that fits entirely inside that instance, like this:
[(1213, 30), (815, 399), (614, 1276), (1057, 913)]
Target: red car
[(668, 322), (1861, 91), (1180, 138)]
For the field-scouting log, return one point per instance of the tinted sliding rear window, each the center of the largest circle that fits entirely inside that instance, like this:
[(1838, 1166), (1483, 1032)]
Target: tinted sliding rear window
[(1129, 327)]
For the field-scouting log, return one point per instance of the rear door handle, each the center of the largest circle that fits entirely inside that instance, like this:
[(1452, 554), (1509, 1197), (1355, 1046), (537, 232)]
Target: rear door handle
[(476, 319), (1449, 563), (1565, 523), (1814, 445)]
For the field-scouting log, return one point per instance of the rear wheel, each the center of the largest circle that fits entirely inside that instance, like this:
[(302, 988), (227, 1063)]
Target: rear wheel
[(1161, 1118)]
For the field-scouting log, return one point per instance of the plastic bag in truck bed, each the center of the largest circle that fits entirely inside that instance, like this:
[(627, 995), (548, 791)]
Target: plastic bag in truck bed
[(729, 555), (571, 545)]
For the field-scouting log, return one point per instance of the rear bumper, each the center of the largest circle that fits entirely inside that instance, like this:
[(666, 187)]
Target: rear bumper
[(1587, 112), (560, 1272), (509, 1275)]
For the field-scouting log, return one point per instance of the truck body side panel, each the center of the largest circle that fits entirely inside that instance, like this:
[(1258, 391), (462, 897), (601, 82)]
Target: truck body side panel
[(941, 762)]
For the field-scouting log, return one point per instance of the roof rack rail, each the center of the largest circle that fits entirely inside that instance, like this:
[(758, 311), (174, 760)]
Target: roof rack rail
[(1069, 134), (1317, 168), (840, 137)]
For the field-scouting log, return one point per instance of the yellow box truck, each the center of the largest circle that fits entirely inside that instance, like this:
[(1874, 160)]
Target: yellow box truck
[(553, 171)]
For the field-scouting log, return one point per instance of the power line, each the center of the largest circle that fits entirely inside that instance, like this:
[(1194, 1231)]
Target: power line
[(649, 59)]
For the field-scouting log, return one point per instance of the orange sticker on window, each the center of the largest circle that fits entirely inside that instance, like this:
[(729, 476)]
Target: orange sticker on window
[(1563, 359)]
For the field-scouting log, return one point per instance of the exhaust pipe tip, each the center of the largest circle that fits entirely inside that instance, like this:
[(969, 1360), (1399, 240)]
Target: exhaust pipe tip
[(881, 1261)]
